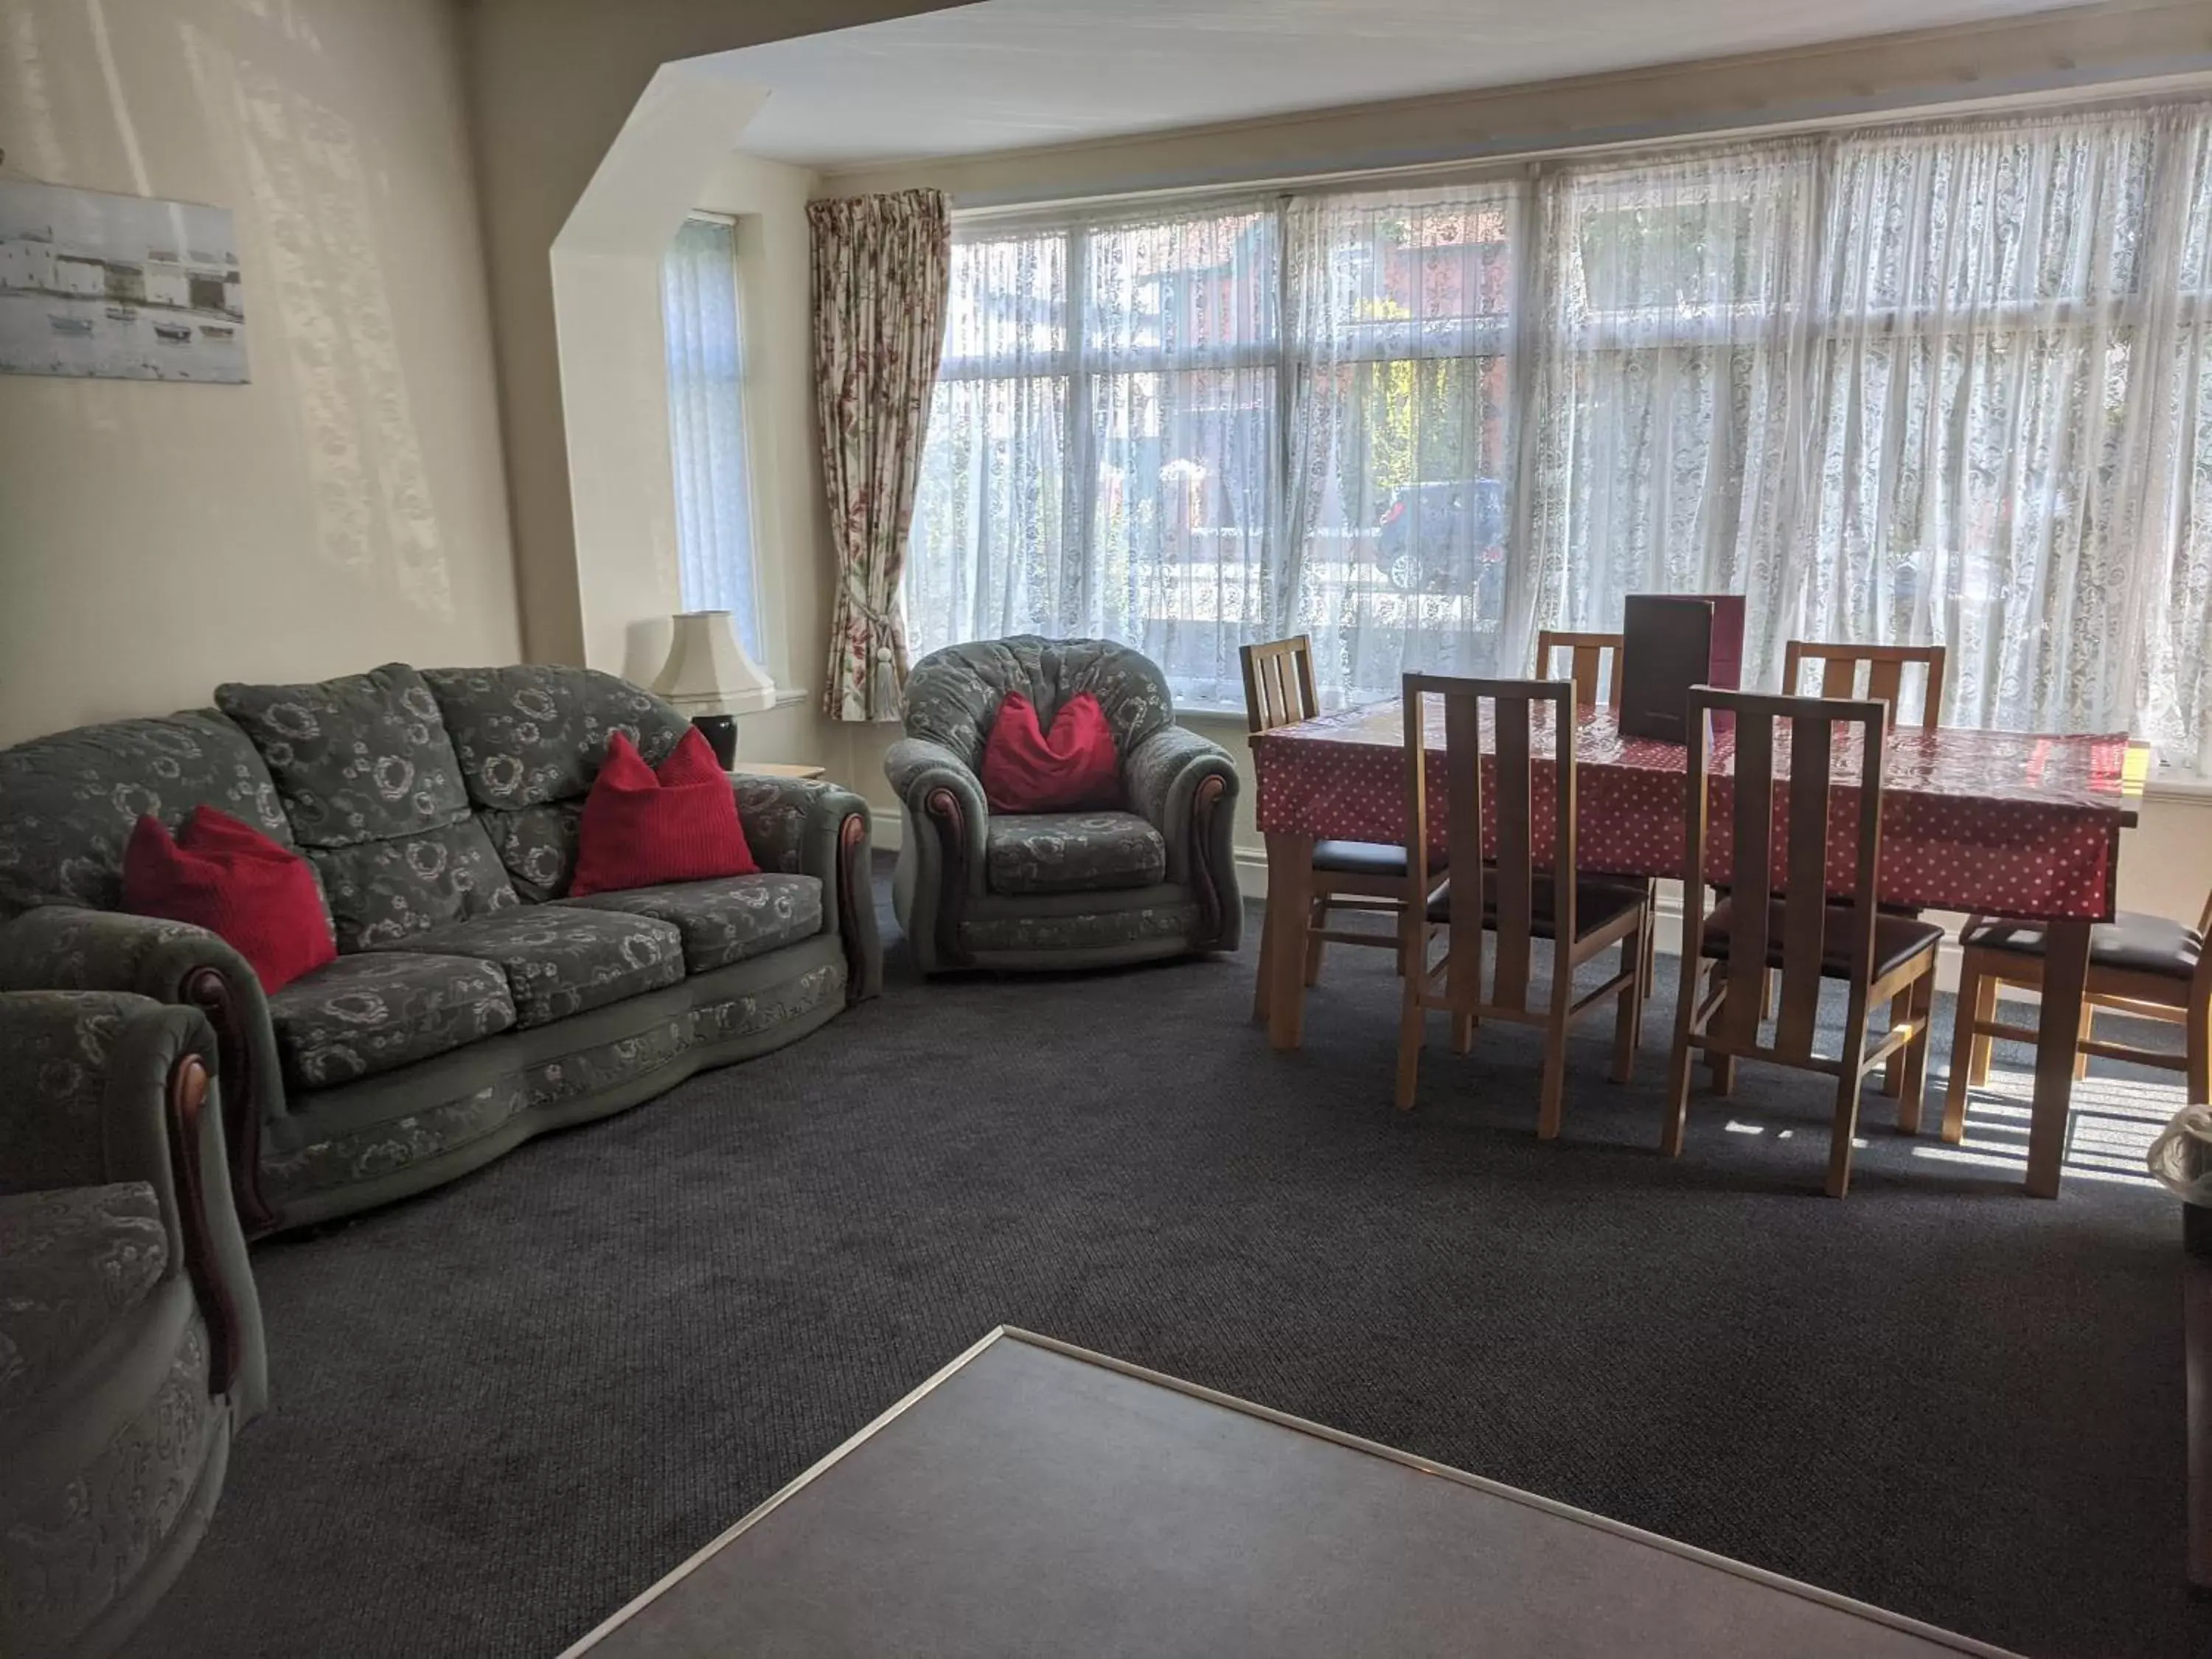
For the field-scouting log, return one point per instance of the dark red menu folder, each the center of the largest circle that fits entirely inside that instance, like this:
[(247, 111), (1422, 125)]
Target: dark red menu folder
[(1670, 642)]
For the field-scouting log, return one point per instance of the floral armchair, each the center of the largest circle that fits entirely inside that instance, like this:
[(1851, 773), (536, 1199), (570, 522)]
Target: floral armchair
[(976, 889), (131, 1345)]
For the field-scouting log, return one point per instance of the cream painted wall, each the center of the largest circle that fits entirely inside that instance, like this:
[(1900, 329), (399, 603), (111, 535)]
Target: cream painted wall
[(348, 506), (551, 83)]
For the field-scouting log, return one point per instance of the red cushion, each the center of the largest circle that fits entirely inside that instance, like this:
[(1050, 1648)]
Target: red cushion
[(641, 828), (258, 898), (1075, 770)]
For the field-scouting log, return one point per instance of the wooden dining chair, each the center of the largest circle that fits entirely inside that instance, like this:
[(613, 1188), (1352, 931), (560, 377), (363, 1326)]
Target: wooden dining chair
[(1356, 876), (1878, 956), (2139, 965), (1586, 662), (1514, 899), (1885, 666)]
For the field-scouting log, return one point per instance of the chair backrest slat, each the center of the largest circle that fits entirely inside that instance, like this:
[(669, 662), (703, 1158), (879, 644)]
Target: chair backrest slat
[(1885, 666), (1514, 797), (1810, 759), (1587, 661), (1279, 683), (1753, 871), (1512, 874)]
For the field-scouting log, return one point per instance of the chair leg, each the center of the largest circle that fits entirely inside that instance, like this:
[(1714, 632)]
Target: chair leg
[(1628, 1013), (1673, 1126), (1979, 1048), (1651, 940), (1840, 1136), (2082, 1033), (1462, 1035), (1266, 965), (1848, 1086), (1893, 1075), (1975, 991), (1922, 1001), (1551, 1105), (1315, 941), (1724, 1066), (1412, 1021), (2198, 1029)]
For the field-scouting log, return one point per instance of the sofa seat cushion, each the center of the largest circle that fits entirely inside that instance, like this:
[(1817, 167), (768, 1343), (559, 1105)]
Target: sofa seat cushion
[(1073, 852), (380, 1010), (560, 960), (723, 920), (72, 1262)]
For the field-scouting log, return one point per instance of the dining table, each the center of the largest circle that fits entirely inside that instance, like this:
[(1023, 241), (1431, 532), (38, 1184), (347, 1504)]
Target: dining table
[(2017, 824)]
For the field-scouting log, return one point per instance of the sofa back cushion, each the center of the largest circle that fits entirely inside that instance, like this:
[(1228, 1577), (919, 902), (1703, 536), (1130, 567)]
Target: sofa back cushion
[(381, 891), (952, 695), (68, 802), (373, 787), (534, 734), (362, 758), (532, 739)]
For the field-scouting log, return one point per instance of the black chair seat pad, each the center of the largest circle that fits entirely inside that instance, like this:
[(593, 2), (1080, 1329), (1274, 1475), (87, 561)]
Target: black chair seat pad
[(1360, 858), (1598, 902), (2131, 942), (1897, 939)]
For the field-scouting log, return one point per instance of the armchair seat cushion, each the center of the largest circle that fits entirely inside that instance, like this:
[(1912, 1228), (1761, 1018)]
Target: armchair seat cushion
[(379, 1010), (1073, 852), (560, 959), (723, 920), (73, 1260)]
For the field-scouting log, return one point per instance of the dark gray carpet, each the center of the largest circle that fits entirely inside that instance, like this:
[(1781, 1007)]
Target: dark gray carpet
[(503, 1408)]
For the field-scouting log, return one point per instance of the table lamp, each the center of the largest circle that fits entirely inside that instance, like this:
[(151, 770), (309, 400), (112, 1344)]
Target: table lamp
[(708, 677)]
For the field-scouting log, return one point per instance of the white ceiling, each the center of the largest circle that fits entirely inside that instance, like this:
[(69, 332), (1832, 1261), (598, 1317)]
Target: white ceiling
[(1008, 74)]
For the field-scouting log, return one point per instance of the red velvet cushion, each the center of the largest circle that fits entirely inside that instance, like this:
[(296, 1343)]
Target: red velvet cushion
[(1075, 770), (641, 828), (258, 898)]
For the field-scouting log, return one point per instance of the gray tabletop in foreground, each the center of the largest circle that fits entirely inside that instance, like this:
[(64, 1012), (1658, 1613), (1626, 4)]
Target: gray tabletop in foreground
[(1032, 1498)]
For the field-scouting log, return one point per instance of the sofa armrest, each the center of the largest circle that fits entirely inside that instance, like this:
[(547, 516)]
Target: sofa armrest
[(113, 1087), (946, 823), (941, 790), (1186, 785), (65, 947), (801, 826)]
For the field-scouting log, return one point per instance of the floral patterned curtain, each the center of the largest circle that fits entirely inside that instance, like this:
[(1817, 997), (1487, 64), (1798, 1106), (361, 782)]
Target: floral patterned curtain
[(882, 269)]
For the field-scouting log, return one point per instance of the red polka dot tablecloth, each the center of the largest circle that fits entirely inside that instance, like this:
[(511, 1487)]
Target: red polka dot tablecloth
[(2006, 822)]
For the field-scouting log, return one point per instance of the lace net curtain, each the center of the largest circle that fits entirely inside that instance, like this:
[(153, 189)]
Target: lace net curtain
[(1947, 382), (706, 423)]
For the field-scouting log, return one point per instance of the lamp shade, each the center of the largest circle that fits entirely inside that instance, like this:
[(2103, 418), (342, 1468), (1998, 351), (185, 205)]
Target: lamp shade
[(708, 671)]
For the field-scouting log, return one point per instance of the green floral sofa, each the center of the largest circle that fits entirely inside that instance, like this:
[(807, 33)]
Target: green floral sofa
[(470, 1004), (1059, 889), (131, 1345)]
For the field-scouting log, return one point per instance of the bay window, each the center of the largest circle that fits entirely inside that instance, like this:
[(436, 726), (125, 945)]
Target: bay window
[(1947, 382)]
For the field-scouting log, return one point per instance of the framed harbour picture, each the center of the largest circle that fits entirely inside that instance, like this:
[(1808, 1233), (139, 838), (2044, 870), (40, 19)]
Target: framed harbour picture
[(118, 287)]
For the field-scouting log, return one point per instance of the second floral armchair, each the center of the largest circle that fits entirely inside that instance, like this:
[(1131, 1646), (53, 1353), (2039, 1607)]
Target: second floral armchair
[(1059, 889)]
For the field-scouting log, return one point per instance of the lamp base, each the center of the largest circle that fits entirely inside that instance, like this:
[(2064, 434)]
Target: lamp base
[(721, 731)]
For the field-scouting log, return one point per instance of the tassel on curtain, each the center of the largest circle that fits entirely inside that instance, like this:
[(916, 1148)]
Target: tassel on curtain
[(883, 267)]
